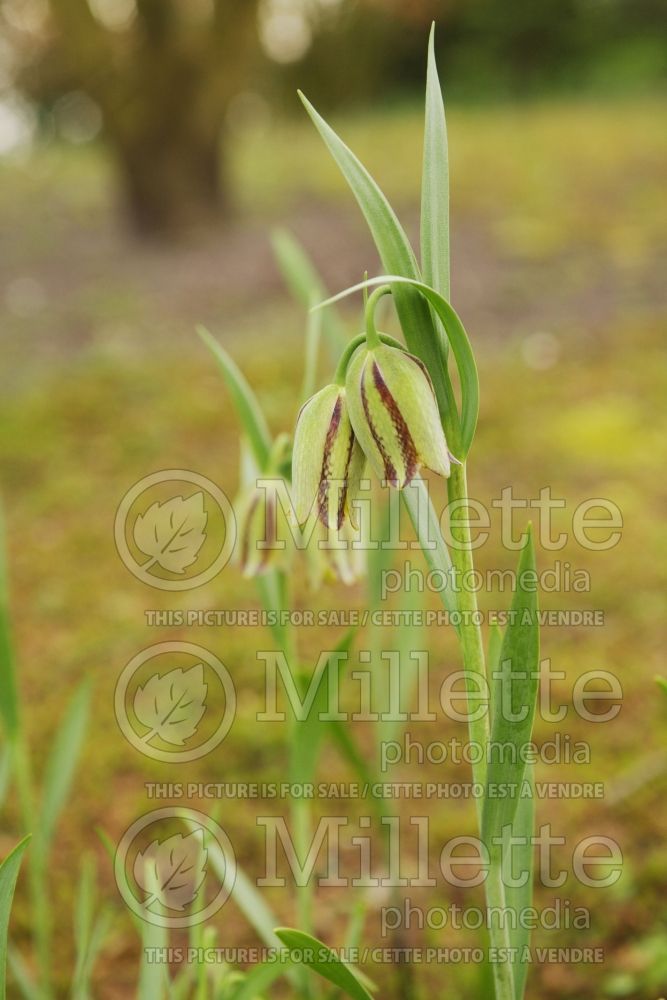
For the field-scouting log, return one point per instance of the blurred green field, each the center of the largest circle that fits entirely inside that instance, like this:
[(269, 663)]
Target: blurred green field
[(559, 237)]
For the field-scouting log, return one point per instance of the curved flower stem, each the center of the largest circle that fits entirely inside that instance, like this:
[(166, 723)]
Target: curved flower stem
[(372, 336)]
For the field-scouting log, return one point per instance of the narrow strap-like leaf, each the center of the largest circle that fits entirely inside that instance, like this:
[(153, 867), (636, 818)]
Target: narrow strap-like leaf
[(397, 257), (321, 959), (436, 553), (62, 762), (9, 870), (245, 402), (435, 184), (309, 732), (305, 283), (519, 898), (513, 701), (9, 707), (258, 979)]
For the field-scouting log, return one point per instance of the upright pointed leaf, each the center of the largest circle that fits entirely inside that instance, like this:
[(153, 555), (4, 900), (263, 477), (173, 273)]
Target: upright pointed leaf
[(397, 258), (245, 894), (324, 961), (427, 528), (308, 733), (9, 870), (258, 979), (62, 762), (153, 976), (435, 184), (9, 708), (245, 402), (306, 284), (513, 700), (519, 898)]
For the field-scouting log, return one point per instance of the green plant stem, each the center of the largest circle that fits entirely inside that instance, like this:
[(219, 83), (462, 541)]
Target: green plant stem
[(300, 810), (470, 637), (37, 867), (372, 336)]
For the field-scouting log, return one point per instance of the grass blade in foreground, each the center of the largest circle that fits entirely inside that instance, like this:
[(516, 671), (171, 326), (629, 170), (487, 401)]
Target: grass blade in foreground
[(435, 184), (305, 283), (247, 407), (8, 693), (9, 870), (514, 694), (62, 762), (324, 961)]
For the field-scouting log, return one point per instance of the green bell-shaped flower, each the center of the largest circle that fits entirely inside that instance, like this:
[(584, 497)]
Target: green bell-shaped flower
[(326, 461), (394, 414)]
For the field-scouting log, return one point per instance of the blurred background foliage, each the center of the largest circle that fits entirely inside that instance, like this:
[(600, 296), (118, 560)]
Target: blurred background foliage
[(179, 121), (161, 78)]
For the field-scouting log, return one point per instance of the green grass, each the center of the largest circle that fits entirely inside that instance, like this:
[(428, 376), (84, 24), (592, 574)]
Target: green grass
[(112, 384)]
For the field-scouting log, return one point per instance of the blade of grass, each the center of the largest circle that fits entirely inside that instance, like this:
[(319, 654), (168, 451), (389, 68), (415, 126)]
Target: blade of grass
[(308, 733), (9, 706), (5, 771), (62, 763), (249, 901), (89, 932), (245, 402), (306, 284), (259, 979), (9, 870), (321, 959), (397, 257), (514, 693), (22, 976), (153, 976)]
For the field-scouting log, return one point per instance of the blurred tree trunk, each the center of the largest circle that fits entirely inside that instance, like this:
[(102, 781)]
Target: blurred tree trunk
[(163, 86), (174, 181)]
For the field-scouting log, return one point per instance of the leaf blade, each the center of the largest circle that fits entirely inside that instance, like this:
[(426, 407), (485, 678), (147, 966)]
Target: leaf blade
[(245, 402), (305, 283), (9, 870), (62, 762), (9, 703), (324, 961), (513, 700), (434, 228), (519, 898), (397, 258)]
